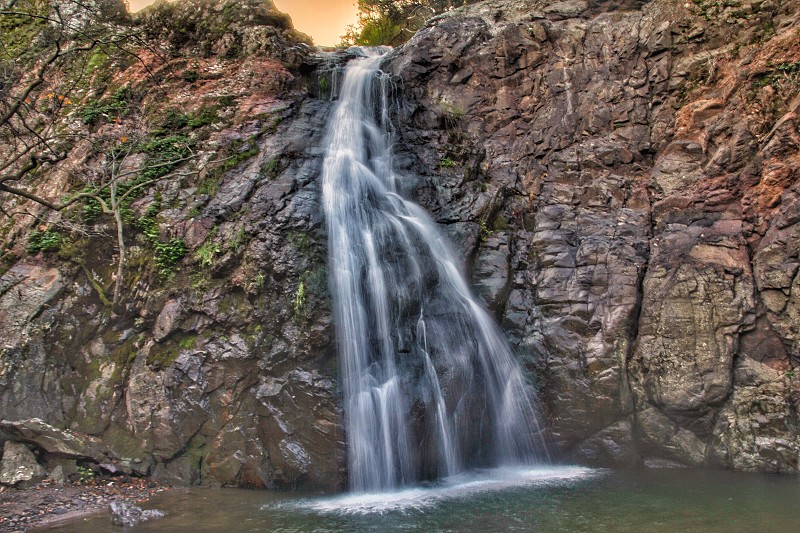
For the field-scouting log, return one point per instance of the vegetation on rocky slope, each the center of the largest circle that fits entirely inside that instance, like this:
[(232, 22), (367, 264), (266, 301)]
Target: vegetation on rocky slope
[(620, 180)]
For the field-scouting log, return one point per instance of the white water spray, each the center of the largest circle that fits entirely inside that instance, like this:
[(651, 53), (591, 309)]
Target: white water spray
[(430, 384)]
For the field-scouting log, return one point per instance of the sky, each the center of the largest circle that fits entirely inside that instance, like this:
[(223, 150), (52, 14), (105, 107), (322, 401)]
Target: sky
[(324, 20)]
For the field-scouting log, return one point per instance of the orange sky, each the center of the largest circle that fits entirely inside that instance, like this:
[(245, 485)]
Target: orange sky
[(324, 20)]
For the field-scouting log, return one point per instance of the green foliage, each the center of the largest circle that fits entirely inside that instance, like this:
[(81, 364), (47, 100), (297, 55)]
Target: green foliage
[(191, 76), (85, 475), (451, 113), (44, 241), (163, 156), (709, 9), (483, 230), (19, 33), (238, 152), (240, 156), (205, 116), (257, 283), (446, 162), (207, 252), (392, 22), (238, 240), (783, 76), (227, 100), (174, 120), (200, 282), (116, 105), (323, 87), (271, 169), (167, 254), (97, 60), (91, 207), (300, 299)]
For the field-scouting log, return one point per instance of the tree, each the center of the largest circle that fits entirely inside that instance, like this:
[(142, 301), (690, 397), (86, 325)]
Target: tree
[(48, 51), (113, 185), (45, 49), (392, 22)]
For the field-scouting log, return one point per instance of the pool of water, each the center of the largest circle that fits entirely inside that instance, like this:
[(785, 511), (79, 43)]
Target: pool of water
[(542, 499)]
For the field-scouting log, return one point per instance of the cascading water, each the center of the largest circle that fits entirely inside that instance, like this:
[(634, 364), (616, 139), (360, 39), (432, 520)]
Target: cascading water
[(430, 385)]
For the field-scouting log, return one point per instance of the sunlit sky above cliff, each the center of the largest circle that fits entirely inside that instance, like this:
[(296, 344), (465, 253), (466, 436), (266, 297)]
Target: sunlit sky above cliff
[(324, 20)]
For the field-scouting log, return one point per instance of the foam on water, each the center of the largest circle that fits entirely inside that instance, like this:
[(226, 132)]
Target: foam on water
[(462, 486)]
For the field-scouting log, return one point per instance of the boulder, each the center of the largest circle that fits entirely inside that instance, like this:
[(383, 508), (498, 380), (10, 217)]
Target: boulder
[(19, 465)]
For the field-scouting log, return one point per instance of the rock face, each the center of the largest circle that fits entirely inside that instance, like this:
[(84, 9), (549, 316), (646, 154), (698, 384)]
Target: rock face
[(629, 175), (620, 179), (19, 465), (220, 370)]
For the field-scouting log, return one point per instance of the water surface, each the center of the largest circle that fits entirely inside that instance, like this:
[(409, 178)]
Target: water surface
[(546, 499)]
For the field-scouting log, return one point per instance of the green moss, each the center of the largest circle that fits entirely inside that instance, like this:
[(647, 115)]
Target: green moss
[(101, 293), (500, 223), (227, 100), (162, 356), (312, 291), (257, 283), (241, 156), (323, 87), (272, 128), (98, 60), (187, 342), (123, 442)]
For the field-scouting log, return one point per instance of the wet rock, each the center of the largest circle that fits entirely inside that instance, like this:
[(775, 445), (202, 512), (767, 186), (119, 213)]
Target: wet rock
[(653, 270)]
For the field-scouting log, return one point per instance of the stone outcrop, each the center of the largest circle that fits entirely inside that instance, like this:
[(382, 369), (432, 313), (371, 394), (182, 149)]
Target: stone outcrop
[(221, 370), (639, 165), (620, 180), (19, 465)]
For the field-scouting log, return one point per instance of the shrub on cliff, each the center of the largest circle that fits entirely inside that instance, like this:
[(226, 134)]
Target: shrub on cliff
[(393, 22)]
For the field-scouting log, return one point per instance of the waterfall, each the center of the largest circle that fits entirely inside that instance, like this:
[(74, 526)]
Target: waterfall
[(430, 385)]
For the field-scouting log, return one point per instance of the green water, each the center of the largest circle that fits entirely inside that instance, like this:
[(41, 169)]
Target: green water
[(562, 499)]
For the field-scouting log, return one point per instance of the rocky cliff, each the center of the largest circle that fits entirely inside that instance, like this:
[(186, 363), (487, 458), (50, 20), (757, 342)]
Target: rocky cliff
[(217, 365), (620, 178)]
